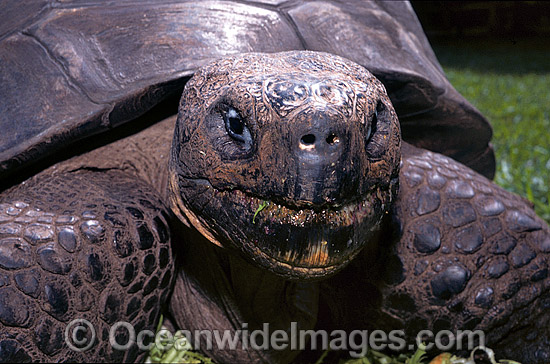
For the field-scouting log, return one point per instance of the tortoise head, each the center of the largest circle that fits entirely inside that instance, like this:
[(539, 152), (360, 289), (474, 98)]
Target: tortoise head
[(291, 158)]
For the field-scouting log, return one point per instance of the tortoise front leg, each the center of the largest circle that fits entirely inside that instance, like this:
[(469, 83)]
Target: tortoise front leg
[(460, 253), (91, 245), (474, 257)]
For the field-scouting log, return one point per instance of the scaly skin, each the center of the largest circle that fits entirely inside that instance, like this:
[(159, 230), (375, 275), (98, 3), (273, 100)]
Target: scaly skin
[(457, 253), (88, 238), (81, 245)]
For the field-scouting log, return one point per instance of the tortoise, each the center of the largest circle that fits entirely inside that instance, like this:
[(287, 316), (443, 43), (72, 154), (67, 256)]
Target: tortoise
[(231, 216)]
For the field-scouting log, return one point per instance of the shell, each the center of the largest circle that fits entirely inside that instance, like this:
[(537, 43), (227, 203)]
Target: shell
[(72, 69)]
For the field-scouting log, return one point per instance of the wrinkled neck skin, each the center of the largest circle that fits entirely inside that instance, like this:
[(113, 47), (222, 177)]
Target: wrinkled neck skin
[(217, 290), (143, 155)]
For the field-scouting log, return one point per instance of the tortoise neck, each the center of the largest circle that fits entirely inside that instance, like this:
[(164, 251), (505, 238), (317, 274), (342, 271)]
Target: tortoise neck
[(143, 155), (232, 294)]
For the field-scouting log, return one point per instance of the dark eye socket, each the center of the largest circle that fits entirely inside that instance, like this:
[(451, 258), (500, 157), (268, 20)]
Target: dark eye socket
[(234, 124)]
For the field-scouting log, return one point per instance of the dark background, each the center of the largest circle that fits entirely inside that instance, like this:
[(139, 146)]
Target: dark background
[(443, 20)]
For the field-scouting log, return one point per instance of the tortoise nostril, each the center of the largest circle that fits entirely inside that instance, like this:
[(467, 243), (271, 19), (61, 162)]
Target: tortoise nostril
[(333, 139), (308, 140)]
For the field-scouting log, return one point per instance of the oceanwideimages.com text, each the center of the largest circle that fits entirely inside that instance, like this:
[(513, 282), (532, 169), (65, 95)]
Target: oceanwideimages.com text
[(80, 336)]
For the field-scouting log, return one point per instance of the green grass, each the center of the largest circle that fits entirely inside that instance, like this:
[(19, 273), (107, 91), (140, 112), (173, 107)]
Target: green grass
[(510, 84)]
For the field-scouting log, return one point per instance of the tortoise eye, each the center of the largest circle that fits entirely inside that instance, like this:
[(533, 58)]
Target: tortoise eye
[(234, 124)]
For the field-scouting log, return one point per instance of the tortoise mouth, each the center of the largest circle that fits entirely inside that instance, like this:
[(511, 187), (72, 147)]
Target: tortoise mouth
[(309, 242), (289, 241)]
